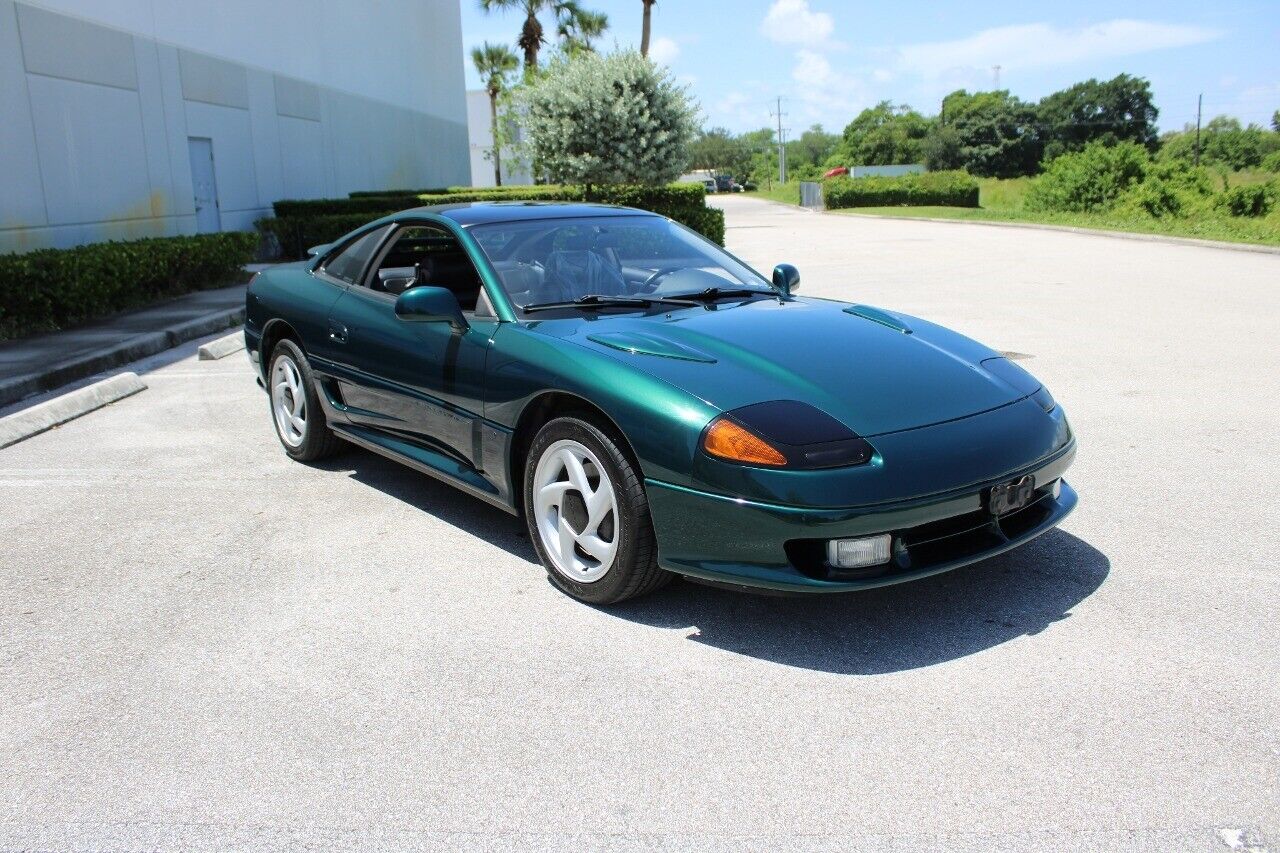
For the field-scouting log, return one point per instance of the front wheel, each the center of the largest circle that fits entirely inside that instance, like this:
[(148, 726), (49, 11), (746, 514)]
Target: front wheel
[(295, 407), (588, 515)]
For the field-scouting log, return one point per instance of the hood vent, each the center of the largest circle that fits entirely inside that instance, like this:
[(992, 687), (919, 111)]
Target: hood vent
[(877, 315)]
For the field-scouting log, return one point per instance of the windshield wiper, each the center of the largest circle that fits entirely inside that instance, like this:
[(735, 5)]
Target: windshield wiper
[(599, 300), (712, 293)]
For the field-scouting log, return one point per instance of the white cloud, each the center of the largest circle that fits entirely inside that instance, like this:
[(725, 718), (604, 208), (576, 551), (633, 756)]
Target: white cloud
[(792, 22), (663, 50), (1041, 45), (822, 90)]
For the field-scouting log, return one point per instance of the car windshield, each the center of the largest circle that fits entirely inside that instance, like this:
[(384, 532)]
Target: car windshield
[(633, 261)]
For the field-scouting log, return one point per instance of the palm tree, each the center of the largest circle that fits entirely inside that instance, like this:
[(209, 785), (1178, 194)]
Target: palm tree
[(585, 24), (494, 62), (644, 29), (576, 30)]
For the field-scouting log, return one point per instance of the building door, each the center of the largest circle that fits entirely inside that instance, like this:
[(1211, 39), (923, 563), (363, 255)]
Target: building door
[(204, 184)]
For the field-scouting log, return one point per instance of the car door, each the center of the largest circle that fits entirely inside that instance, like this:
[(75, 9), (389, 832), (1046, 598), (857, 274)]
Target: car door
[(420, 381)]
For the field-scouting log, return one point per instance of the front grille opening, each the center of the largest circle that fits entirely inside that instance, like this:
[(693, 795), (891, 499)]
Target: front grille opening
[(928, 544)]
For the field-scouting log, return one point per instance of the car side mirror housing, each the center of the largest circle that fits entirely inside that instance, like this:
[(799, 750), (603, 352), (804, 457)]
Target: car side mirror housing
[(786, 278), (427, 304)]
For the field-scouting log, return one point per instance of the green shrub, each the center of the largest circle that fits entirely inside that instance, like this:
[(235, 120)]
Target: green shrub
[(951, 189), (301, 224), (1170, 188), (1271, 163), (1087, 180), (1250, 200), (54, 288)]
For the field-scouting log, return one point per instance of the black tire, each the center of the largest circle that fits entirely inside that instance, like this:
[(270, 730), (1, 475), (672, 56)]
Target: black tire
[(634, 570), (317, 440)]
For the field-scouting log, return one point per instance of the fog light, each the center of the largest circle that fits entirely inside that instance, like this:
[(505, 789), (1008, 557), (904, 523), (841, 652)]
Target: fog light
[(1056, 488), (856, 553)]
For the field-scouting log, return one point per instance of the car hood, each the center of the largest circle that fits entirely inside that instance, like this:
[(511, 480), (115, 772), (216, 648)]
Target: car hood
[(876, 371)]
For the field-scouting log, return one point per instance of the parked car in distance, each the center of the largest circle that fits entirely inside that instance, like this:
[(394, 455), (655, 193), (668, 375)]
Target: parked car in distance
[(836, 172), (654, 407), (726, 184), (711, 185)]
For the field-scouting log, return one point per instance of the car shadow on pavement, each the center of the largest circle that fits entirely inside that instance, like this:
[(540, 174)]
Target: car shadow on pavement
[(894, 628), (429, 495)]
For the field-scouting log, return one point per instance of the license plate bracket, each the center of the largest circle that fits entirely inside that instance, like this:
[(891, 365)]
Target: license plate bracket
[(1011, 496)]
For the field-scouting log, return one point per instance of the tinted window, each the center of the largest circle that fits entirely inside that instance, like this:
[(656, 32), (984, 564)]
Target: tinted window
[(551, 260), (349, 263)]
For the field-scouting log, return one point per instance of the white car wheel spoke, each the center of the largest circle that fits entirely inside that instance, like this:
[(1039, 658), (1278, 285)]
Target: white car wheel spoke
[(568, 511)]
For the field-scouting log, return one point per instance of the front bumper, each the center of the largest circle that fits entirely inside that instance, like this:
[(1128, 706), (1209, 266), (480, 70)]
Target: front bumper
[(745, 543)]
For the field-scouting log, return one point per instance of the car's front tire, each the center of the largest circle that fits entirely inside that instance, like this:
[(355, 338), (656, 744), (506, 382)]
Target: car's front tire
[(587, 514), (295, 407)]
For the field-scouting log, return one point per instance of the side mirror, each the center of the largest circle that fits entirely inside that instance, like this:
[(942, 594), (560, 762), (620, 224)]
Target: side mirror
[(428, 304), (318, 250), (786, 278)]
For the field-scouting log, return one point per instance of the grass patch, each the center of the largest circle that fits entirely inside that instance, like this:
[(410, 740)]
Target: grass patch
[(788, 193), (1002, 200), (1265, 230)]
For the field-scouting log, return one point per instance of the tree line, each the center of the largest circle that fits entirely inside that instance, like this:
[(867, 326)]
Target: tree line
[(990, 134)]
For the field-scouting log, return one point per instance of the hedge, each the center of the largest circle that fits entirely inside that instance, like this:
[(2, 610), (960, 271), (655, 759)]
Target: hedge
[(298, 225), (659, 199), (54, 288), (952, 189)]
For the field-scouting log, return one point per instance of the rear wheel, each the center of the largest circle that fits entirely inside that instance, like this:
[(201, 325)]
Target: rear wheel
[(588, 515), (295, 407)]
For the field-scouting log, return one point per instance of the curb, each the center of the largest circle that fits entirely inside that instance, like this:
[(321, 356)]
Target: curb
[(129, 350), (222, 347), (1075, 229), (51, 413)]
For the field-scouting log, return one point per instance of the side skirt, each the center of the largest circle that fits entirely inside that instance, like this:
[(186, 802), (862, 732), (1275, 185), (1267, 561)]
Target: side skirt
[(423, 460)]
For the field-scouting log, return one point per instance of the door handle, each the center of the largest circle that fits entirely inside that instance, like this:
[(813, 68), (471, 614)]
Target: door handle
[(337, 333)]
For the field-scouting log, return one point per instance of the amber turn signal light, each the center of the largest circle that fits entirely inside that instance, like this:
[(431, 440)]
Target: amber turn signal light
[(727, 440)]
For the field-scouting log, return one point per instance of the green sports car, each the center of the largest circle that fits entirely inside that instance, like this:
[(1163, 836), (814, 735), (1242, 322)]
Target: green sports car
[(652, 406)]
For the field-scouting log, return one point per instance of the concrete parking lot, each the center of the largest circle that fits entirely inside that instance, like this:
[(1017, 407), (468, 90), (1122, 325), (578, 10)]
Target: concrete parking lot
[(205, 646)]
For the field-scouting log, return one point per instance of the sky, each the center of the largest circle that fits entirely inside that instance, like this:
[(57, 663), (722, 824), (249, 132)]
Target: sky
[(828, 60)]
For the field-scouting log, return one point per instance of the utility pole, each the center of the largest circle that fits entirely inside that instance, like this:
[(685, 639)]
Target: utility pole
[(996, 70), (1199, 104), (782, 148)]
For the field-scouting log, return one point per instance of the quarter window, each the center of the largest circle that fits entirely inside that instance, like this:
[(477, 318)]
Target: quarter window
[(349, 263)]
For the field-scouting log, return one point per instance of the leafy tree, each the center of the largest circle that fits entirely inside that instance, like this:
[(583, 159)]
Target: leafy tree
[(717, 151), (992, 134), (1275, 121), (566, 13), (807, 155), (1090, 179), (884, 135), (943, 148), (494, 63), (1111, 111), (616, 119), (1223, 143), (645, 26)]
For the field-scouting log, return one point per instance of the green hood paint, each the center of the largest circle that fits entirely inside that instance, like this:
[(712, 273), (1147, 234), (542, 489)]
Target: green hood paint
[(860, 370)]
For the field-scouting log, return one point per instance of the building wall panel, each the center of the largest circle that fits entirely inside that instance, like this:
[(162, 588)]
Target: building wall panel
[(22, 201), (92, 151), (58, 46)]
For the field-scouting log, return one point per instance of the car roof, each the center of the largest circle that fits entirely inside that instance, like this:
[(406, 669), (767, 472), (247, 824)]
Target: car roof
[(481, 212)]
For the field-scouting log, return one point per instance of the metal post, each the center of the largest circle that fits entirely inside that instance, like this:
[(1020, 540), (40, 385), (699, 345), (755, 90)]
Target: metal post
[(1199, 104)]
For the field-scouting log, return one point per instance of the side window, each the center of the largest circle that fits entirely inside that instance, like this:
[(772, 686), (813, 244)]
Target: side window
[(428, 254), (350, 262)]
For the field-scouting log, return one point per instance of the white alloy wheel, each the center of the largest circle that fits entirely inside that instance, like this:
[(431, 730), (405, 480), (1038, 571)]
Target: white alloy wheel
[(576, 511), (289, 401)]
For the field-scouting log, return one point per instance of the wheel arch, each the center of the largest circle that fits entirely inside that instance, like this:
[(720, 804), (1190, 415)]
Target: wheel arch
[(273, 332), (544, 408)]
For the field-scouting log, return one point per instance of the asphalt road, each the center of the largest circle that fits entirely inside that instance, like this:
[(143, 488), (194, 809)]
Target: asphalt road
[(204, 646)]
